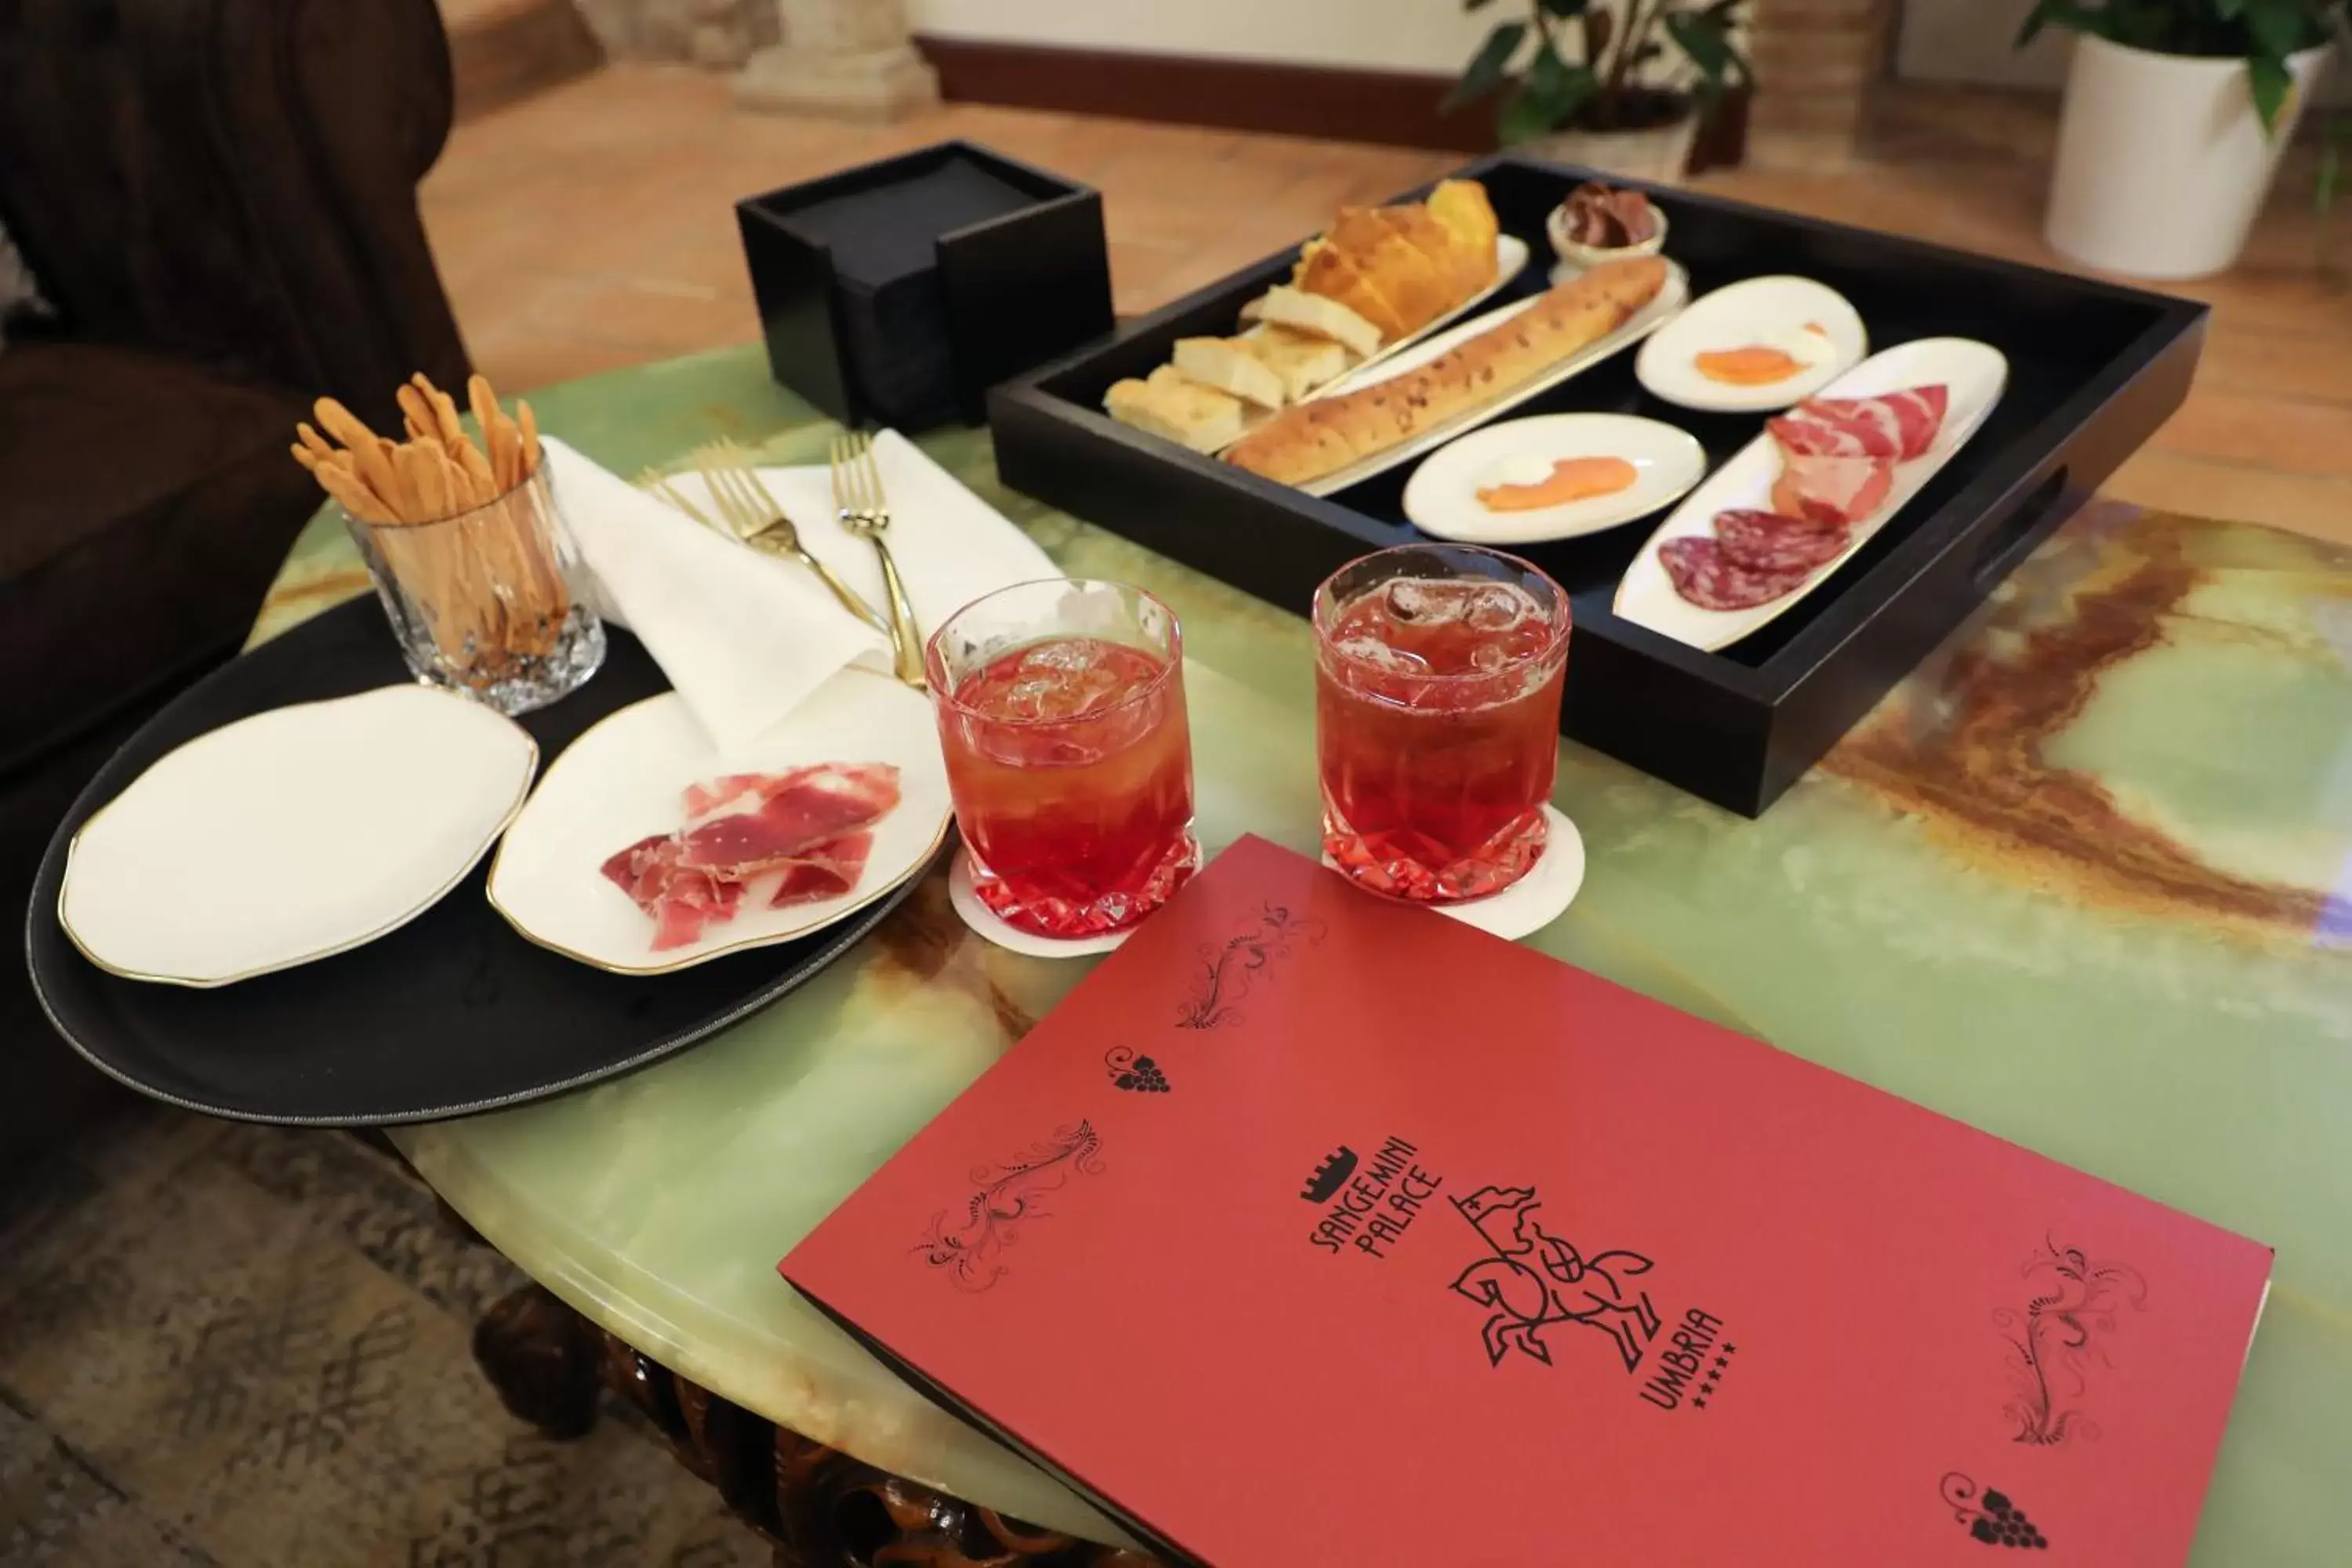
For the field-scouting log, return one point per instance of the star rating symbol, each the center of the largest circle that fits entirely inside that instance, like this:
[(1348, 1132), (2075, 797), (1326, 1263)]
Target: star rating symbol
[(1707, 1387)]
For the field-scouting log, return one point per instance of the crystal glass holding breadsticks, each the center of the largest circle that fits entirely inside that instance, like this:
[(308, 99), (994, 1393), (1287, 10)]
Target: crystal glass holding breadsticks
[(469, 552)]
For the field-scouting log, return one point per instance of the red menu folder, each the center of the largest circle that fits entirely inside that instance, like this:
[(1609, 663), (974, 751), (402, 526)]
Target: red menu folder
[(1312, 1229)]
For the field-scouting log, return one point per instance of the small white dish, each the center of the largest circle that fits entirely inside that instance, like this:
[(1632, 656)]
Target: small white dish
[(1974, 374), (1535, 900), (1441, 496), (1768, 312), (992, 927), (292, 835), (624, 779), (1576, 259), (1661, 310)]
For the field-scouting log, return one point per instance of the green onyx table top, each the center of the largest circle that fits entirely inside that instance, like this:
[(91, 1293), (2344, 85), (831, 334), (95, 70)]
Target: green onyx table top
[(2081, 881)]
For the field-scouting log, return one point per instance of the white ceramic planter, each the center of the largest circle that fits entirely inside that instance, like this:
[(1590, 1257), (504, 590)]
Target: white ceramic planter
[(1660, 154), (2162, 163)]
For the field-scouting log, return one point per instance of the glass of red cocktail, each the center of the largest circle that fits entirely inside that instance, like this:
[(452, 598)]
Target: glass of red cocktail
[(1438, 677), (1061, 709)]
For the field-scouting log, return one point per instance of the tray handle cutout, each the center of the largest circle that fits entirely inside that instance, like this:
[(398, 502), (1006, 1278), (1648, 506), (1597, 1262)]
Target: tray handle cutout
[(2009, 538)]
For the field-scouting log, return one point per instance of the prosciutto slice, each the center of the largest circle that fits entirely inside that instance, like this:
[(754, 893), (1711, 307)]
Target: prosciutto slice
[(784, 815), (1899, 425), (806, 831), (1842, 490), (825, 870)]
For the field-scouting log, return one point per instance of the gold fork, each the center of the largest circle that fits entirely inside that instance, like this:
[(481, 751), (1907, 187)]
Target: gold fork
[(859, 501), (751, 514), (657, 482)]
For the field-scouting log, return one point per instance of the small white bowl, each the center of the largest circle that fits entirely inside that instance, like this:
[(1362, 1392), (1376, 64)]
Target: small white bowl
[(1577, 257)]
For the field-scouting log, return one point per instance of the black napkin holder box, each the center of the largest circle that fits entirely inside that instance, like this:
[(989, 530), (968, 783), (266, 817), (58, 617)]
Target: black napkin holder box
[(899, 292)]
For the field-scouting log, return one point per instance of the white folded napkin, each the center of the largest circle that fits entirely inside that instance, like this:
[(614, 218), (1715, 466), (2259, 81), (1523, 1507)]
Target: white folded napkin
[(746, 637)]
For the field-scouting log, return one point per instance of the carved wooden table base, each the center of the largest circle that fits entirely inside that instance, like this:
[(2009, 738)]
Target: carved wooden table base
[(819, 1506)]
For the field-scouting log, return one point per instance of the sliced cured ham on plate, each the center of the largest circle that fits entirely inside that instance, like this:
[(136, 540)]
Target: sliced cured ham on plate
[(644, 850), (1973, 376), (778, 838), (1842, 490), (1897, 424)]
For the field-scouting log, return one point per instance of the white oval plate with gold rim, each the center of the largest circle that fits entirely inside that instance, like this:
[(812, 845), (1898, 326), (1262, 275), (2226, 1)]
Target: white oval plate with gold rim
[(1650, 318), (1973, 374), (292, 835), (623, 780)]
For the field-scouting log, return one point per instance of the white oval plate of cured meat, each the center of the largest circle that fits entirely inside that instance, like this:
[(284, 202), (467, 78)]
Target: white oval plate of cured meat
[(1555, 476), (293, 834), (1782, 338), (645, 851), (1790, 507)]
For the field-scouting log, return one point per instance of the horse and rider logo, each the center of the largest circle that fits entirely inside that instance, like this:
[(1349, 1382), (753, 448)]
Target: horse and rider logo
[(1535, 1279)]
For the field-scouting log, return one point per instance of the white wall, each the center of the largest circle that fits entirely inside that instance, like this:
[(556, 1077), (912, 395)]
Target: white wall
[(1395, 35)]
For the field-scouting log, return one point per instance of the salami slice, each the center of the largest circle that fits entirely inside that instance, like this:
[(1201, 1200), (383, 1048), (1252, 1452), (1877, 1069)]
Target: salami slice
[(1705, 575), (1768, 541), (1897, 424)]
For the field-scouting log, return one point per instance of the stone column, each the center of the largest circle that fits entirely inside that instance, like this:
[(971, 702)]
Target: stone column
[(843, 60)]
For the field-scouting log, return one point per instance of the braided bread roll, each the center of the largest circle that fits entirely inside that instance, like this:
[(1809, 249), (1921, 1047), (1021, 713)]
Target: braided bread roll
[(1401, 267)]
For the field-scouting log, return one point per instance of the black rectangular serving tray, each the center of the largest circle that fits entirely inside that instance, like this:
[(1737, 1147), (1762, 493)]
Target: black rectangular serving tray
[(897, 292), (2094, 369)]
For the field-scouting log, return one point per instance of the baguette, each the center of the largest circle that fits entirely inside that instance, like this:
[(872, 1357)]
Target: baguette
[(1309, 440)]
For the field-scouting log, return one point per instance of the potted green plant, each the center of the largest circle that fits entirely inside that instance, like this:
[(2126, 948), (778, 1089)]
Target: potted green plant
[(2175, 112), (1617, 85)]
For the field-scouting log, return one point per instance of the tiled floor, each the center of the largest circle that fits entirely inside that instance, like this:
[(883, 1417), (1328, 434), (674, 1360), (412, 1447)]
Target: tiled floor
[(593, 227), (225, 1346)]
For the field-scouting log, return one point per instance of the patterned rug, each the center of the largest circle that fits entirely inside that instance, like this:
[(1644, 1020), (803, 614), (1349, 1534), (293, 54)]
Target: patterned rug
[(245, 1347)]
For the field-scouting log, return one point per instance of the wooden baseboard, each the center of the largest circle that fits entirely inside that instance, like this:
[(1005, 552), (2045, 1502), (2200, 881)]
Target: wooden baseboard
[(1336, 103), (1398, 108)]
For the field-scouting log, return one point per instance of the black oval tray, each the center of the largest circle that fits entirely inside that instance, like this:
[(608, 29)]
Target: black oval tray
[(452, 1013)]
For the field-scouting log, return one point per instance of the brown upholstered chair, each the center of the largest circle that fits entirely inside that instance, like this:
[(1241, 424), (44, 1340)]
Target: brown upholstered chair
[(220, 198)]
